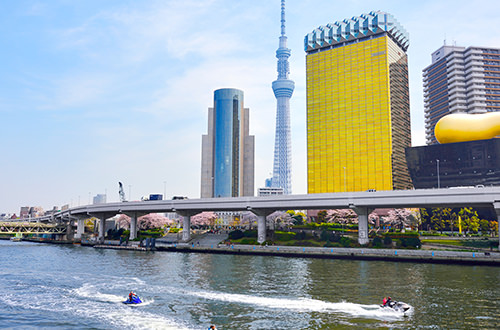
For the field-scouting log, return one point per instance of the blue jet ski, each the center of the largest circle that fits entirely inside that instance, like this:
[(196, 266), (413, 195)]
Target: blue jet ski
[(135, 300)]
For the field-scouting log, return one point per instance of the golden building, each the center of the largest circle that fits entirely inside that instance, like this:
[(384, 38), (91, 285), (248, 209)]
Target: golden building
[(358, 114)]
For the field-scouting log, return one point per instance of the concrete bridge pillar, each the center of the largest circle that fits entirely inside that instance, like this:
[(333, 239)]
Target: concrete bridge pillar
[(133, 222), (133, 226), (80, 228), (186, 224), (261, 229), (362, 213), (261, 224), (186, 228), (496, 205), (102, 227)]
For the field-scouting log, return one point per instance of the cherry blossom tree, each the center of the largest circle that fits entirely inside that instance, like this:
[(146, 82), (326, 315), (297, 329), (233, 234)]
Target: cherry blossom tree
[(153, 220), (204, 219), (280, 219), (146, 222), (373, 218), (248, 220), (123, 221), (343, 216), (398, 217)]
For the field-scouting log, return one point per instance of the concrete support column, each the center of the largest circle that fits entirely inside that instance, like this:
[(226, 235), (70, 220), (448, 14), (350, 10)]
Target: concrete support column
[(261, 229), (70, 234), (186, 227), (261, 223), (80, 228), (362, 213), (133, 226), (133, 222), (102, 226), (496, 206)]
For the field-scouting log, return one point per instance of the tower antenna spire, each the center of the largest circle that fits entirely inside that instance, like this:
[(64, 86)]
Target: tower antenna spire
[(283, 17), (283, 90)]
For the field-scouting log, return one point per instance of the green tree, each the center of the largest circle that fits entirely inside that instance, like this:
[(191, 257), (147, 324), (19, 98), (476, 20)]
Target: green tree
[(437, 218), (297, 217), (425, 219), (470, 219), (452, 220), (321, 217), (484, 227), (493, 227)]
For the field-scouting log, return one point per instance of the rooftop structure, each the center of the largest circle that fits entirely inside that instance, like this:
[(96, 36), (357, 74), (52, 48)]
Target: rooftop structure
[(356, 29)]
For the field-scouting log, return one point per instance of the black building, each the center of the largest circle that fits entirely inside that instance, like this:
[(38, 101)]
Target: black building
[(455, 164)]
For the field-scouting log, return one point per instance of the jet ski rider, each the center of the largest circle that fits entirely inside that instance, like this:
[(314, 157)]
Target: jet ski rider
[(131, 296), (386, 301)]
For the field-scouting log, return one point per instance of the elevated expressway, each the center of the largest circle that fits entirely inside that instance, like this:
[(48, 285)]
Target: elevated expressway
[(361, 202)]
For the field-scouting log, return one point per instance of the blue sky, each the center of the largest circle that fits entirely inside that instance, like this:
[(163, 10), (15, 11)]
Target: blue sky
[(96, 92)]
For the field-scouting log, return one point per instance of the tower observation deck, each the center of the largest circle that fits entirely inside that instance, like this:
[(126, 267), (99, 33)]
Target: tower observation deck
[(283, 90)]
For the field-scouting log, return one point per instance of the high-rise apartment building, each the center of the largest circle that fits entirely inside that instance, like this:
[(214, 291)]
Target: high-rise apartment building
[(283, 89), (358, 114), (227, 161), (460, 80)]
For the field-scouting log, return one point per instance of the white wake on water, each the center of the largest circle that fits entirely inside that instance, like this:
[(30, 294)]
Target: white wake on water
[(304, 305)]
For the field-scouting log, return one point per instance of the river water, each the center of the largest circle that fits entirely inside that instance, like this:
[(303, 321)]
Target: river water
[(63, 286)]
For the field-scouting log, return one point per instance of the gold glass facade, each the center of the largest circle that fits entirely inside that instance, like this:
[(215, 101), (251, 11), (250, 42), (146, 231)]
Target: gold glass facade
[(358, 119)]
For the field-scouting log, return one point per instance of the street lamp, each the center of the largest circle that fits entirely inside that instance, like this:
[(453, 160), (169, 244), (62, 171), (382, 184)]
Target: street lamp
[(164, 189), (437, 165), (129, 192)]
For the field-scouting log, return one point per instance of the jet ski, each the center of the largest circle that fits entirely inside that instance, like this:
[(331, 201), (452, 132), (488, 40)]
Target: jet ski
[(398, 306), (135, 300)]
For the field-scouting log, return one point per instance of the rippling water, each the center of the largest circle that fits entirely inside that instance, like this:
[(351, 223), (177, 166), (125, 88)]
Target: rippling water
[(61, 286)]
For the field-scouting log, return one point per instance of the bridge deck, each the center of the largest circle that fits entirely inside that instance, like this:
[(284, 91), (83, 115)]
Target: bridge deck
[(31, 228)]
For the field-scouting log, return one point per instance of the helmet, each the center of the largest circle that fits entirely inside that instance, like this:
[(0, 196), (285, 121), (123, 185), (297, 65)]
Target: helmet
[(389, 298)]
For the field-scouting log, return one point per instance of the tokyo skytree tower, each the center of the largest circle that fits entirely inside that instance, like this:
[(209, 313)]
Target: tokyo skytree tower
[(283, 90)]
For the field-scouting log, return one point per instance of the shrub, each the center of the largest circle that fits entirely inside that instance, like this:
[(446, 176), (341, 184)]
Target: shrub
[(345, 241), (284, 236), (332, 244), (335, 237), (250, 241), (325, 236), (150, 233), (413, 242), (300, 235), (250, 233), (399, 235), (377, 242), (115, 234), (236, 234), (387, 240)]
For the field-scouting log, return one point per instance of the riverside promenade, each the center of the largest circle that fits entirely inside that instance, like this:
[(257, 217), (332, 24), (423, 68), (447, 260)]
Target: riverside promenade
[(398, 255), (211, 244)]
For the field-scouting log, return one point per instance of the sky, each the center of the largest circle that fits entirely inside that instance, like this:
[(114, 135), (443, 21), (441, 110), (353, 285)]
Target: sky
[(95, 92)]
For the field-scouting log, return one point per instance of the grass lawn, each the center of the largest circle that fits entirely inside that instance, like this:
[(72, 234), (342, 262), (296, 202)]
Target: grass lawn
[(482, 244)]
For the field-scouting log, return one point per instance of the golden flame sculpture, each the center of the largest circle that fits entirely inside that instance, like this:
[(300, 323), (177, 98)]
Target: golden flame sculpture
[(462, 127)]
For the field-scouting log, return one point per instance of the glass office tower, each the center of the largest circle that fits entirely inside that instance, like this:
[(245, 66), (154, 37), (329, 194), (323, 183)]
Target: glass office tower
[(358, 114), (227, 150)]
